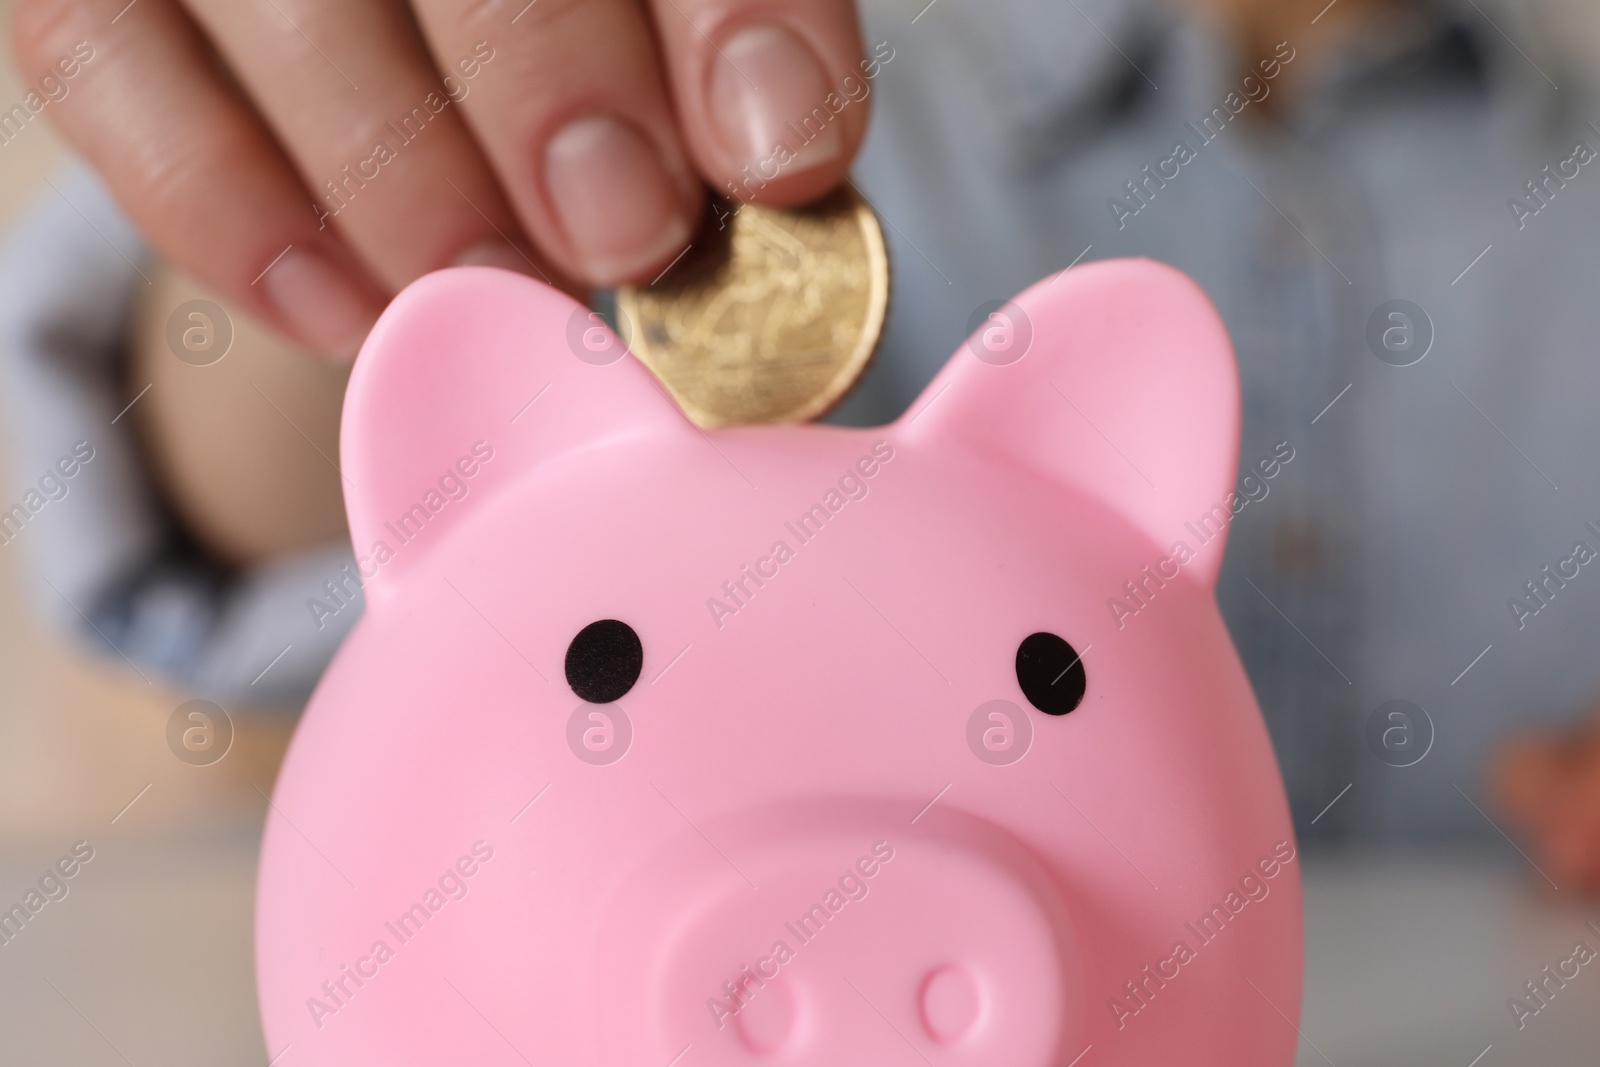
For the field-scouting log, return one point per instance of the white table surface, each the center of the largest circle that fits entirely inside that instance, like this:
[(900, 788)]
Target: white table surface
[(1412, 956)]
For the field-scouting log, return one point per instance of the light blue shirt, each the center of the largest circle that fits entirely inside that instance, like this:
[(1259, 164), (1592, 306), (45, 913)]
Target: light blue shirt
[(1380, 565)]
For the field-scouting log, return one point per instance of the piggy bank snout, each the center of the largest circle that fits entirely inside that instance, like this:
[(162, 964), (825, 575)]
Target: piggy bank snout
[(837, 944)]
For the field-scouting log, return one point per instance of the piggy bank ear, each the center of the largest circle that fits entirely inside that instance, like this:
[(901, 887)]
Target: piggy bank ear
[(1114, 378), (471, 377)]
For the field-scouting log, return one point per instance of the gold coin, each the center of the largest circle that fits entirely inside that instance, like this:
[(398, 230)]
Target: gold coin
[(770, 316)]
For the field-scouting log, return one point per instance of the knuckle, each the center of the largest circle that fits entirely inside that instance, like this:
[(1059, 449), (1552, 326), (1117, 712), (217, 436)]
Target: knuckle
[(176, 176), (539, 17), (41, 30)]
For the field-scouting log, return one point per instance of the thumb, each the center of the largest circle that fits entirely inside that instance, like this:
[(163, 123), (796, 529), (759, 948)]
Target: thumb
[(773, 98)]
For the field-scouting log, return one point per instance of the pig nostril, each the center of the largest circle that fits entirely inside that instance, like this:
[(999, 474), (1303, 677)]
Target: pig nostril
[(768, 1023), (951, 1004)]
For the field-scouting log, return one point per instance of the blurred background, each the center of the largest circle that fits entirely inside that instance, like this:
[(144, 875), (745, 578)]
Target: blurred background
[(148, 959), (1415, 945)]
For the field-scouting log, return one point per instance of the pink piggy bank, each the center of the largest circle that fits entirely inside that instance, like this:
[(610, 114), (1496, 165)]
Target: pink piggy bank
[(790, 745)]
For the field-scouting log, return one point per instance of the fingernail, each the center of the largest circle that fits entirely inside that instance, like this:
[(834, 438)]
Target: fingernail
[(497, 252), (614, 199), (320, 303), (768, 90)]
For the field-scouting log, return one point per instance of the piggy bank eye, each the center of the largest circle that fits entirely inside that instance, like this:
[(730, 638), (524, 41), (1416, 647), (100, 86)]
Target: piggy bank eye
[(1051, 673), (604, 661)]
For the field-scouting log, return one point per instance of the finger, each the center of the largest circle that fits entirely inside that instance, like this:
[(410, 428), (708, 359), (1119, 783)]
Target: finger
[(773, 98), (192, 165), (1569, 848), (575, 117), (352, 94), (1524, 775)]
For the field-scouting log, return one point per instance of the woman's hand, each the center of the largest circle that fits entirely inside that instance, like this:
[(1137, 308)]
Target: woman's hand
[(1550, 787), (306, 159)]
